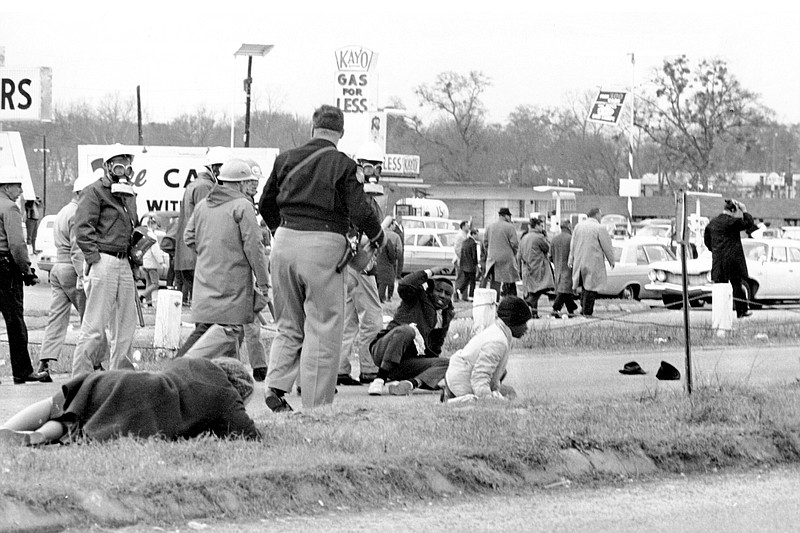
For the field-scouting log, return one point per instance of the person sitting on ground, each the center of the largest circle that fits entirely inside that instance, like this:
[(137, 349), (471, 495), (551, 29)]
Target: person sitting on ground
[(408, 350), (188, 398), (476, 370)]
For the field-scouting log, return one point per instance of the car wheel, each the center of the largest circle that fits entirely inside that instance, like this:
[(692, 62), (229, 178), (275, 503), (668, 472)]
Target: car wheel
[(629, 293), (672, 301)]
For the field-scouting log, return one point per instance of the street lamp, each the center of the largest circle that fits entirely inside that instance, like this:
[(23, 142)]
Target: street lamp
[(44, 151), (249, 50)]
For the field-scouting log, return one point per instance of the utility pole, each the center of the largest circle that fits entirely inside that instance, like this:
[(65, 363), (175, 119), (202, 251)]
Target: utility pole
[(44, 151)]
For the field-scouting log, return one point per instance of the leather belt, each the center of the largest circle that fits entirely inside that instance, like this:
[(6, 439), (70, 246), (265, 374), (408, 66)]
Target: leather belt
[(120, 255)]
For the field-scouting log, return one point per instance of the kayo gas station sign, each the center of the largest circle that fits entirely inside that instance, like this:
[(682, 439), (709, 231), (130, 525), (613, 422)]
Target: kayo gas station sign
[(356, 79)]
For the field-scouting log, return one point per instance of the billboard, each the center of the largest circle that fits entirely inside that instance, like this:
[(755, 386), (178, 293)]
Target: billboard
[(26, 94), (607, 107), (12, 153), (161, 173)]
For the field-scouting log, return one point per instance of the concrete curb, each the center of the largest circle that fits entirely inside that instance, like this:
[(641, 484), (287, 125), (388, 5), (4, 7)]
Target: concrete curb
[(308, 492)]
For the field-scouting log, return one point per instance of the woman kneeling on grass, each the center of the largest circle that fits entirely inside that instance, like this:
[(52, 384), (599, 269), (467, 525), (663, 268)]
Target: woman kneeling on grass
[(188, 398), (475, 371)]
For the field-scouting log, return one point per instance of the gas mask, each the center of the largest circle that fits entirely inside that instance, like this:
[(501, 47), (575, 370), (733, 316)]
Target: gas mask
[(120, 174)]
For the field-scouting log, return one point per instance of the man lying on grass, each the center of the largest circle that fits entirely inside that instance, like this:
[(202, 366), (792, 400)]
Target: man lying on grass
[(188, 398), (407, 351), (476, 370)]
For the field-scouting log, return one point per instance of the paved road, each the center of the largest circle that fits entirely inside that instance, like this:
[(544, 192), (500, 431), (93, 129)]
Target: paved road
[(753, 501)]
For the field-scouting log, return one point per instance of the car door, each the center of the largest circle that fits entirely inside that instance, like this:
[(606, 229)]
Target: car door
[(782, 275), (410, 261)]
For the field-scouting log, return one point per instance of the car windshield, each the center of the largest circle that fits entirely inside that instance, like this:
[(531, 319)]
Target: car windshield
[(653, 231), (448, 239)]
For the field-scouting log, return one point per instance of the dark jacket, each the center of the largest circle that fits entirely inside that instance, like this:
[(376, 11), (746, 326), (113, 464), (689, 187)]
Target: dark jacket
[(388, 257), (104, 222), (185, 258), (322, 196), (559, 254), (468, 262), (186, 399), (723, 237), (417, 307)]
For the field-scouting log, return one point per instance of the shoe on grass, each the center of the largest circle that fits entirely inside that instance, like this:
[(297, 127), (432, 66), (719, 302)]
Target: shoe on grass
[(365, 379), (400, 388), (277, 404), (376, 387)]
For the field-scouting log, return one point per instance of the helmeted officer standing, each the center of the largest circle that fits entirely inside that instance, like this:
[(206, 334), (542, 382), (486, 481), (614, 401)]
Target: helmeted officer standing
[(15, 269), (104, 222)]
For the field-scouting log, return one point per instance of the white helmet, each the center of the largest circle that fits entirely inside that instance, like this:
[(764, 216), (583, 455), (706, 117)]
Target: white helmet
[(115, 150), (370, 152), (84, 180), (10, 175), (238, 170), (217, 155), (255, 168)]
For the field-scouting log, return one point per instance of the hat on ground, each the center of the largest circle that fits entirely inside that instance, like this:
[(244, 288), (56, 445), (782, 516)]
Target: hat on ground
[(632, 369), (504, 211), (667, 372), (513, 311), (237, 375)]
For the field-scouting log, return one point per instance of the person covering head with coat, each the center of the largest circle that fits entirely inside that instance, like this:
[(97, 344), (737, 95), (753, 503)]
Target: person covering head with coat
[(728, 265)]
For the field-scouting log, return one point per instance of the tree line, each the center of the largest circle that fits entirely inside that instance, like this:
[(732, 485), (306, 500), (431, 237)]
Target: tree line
[(691, 119)]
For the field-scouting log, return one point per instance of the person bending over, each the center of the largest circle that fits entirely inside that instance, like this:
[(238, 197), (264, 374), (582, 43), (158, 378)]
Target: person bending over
[(188, 398), (407, 351)]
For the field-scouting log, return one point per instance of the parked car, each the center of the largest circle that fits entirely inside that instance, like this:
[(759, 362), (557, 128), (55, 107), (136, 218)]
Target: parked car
[(428, 248), (790, 232), (45, 243), (412, 221), (629, 277), (772, 264)]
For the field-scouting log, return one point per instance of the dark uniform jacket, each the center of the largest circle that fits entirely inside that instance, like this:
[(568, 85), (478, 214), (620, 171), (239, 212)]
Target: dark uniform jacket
[(324, 195), (417, 307), (188, 398), (468, 262), (12, 240), (723, 237), (104, 222)]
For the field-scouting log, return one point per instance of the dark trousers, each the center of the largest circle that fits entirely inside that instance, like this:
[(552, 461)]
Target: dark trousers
[(32, 228), (385, 291), (467, 282), (587, 302), (502, 289), (171, 272), (186, 283), (12, 308), (532, 299), (564, 298), (396, 357), (740, 302)]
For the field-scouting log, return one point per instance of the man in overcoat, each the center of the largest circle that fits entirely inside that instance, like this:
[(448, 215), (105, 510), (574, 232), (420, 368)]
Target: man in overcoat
[(591, 247), (225, 234), (723, 237), (537, 274), (501, 245), (559, 255)]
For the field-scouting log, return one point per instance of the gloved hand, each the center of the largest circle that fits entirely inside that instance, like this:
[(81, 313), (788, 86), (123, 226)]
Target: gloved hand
[(30, 279)]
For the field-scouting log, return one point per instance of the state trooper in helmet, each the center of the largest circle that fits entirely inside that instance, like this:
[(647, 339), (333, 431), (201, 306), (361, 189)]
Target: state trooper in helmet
[(363, 316), (225, 235), (66, 277), (15, 270), (104, 221), (184, 261)]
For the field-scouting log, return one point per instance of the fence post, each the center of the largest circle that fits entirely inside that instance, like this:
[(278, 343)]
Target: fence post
[(722, 308), (484, 309), (167, 331)]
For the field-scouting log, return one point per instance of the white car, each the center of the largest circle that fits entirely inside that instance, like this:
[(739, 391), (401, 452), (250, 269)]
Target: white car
[(773, 266), (45, 243), (428, 248), (629, 277)]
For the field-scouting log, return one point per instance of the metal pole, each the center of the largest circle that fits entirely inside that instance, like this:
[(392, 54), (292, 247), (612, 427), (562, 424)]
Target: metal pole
[(44, 175), (685, 284), (139, 114), (247, 84)]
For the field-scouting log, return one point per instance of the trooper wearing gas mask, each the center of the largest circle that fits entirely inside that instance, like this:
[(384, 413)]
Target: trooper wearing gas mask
[(104, 223), (363, 317)]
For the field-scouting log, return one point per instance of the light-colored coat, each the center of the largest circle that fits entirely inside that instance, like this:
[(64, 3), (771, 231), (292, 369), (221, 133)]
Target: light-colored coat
[(591, 243), (537, 275), (225, 234), (501, 245), (477, 367), (559, 254)]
